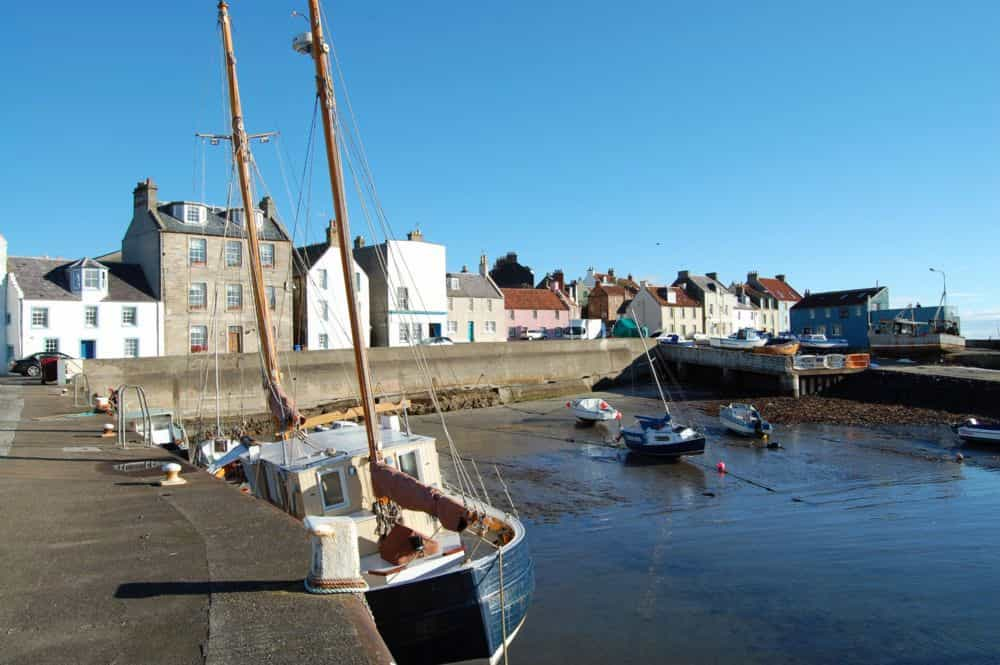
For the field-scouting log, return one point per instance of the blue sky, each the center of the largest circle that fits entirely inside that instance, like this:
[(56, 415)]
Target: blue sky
[(838, 143)]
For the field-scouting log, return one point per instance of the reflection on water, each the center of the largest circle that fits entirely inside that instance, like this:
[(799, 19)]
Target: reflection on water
[(872, 547)]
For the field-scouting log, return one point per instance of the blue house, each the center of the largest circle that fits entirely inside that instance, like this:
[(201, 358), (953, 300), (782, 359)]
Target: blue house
[(840, 314)]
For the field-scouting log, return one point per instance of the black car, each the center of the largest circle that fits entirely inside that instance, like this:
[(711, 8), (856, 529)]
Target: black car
[(31, 365)]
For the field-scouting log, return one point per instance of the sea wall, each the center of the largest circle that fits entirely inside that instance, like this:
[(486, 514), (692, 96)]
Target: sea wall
[(187, 384), (945, 393)]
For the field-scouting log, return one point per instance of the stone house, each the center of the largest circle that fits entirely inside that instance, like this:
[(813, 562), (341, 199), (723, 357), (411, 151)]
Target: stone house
[(475, 306), (195, 260), (775, 297), (716, 301), (322, 320), (608, 302), (668, 309)]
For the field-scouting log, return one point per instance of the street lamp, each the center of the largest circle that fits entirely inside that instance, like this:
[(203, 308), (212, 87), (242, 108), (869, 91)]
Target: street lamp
[(944, 292)]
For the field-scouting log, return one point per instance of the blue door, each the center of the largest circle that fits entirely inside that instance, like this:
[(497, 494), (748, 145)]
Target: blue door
[(472, 331), (88, 348)]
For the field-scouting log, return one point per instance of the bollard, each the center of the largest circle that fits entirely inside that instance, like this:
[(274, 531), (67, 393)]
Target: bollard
[(336, 564), (108, 431), (172, 475)]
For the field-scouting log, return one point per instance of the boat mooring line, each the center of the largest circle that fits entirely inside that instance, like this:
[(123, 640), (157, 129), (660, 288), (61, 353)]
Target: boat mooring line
[(736, 476)]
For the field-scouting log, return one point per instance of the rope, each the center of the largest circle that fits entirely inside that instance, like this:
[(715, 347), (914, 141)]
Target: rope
[(503, 605)]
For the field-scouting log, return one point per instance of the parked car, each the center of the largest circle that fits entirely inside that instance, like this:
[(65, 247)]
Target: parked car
[(437, 341), (31, 365), (534, 333), (575, 332)]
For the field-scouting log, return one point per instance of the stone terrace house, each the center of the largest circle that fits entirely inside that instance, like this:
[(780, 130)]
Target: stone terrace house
[(534, 309), (475, 307), (775, 297), (194, 257), (322, 320), (83, 308), (716, 301), (668, 309)]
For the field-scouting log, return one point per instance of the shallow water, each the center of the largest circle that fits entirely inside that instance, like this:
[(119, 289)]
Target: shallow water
[(844, 546)]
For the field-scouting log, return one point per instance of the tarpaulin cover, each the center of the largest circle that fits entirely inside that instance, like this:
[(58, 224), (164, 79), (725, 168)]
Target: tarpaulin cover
[(402, 545), (412, 494), (283, 408)]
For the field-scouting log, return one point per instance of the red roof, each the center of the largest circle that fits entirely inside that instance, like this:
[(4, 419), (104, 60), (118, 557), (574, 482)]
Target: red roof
[(532, 299), (683, 299), (779, 289), (610, 289)]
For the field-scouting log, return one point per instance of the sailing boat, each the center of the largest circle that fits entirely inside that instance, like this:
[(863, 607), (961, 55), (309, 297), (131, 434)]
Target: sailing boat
[(449, 577), (660, 436)]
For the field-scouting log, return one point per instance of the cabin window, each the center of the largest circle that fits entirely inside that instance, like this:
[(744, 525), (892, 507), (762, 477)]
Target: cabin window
[(267, 255), (130, 316), (234, 253), (197, 251), (452, 327), (323, 279), (272, 297), (324, 341), (199, 339), (132, 347), (403, 297), (234, 296), (331, 485), (197, 295), (51, 345), (409, 464), (39, 317), (90, 316)]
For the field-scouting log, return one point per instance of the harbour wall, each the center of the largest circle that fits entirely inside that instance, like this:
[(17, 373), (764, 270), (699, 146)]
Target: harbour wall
[(186, 384), (927, 390)]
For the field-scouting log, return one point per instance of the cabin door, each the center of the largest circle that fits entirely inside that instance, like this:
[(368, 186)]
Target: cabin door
[(88, 348), (235, 341), (472, 331)]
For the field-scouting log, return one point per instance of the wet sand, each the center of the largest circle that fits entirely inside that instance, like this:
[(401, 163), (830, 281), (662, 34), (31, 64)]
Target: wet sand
[(848, 545)]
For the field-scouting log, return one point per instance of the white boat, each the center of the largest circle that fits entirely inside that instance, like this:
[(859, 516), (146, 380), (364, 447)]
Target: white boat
[(821, 342), (744, 419), (974, 431), (905, 337), (747, 338), (593, 409)]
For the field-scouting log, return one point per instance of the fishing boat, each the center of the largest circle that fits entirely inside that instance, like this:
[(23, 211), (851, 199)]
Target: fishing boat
[(908, 337), (674, 339), (448, 576), (779, 346), (744, 419), (593, 409), (820, 342), (660, 436), (975, 432), (744, 339)]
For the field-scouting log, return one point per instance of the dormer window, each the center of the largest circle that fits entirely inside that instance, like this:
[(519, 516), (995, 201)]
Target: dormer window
[(190, 213), (92, 279), (236, 217), (87, 276)]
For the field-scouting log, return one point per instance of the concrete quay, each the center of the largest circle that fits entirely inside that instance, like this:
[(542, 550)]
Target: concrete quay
[(103, 566)]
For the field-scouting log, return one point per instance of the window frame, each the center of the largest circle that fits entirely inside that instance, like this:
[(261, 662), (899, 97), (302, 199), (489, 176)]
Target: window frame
[(233, 259), (323, 341), (44, 311), (45, 345), (403, 298), (237, 289), (267, 262), (203, 347), (324, 278), (125, 348), (135, 316), (96, 274), (204, 296), (345, 500), (87, 311), (202, 244), (271, 295)]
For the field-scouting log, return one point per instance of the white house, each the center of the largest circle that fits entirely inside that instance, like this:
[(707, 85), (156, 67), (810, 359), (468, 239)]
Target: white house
[(84, 308), (320, 306), (668, 309), (5, 318), (717, 302), (745, 314), (407, 289)]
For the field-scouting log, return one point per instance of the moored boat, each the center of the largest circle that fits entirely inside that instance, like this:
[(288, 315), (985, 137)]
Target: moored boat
[(976, 432), (820, 342), (744, 339), (779, 346), (904, 337), (593, 409), (744, 419)]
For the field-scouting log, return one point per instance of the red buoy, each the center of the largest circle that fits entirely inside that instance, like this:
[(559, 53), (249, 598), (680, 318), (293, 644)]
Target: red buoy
[(721, 467), (567, 405)]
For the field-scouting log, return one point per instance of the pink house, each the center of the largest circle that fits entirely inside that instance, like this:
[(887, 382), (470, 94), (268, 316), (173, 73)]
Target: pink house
[(534, 309)]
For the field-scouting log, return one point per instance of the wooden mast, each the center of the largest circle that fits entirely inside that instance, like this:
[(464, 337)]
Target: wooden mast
[(324, 88), (285, 414)]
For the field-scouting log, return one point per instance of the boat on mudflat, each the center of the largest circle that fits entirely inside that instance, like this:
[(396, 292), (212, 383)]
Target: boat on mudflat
[(779, 346), (976, 432), (661, 437), (820, 342), (744, 339), (593, 409), (744, 419)]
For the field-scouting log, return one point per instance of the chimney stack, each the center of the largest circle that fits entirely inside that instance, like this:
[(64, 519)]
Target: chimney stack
[(611, 273), (682, 274), (415, 235), (144, 195), (483, 266), (465, 268), (268, 208), (752, 276), (359, 242), (331, 234), (712, 275), (780, 278)]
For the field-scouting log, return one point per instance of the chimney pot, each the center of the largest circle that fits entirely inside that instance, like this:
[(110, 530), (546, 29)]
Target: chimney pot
[(144, 195), (780, 278), (712, 275), (483, 265), (415, 235), (359, 242), (268, 207), (332, 239)]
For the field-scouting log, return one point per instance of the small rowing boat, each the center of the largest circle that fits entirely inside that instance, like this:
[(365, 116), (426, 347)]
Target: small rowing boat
[(976, 432), (745, 419), (779, 346), (593, 409)]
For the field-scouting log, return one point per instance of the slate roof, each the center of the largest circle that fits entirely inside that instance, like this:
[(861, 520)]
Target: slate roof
[(532, 299), (215, 225), (705, 283), (307, 257), (779, 289), (838, 298), (659, 293), (471, 285), (48, 279)]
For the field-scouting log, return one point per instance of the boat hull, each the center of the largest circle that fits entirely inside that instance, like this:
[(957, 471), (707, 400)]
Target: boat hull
[(652, 448), (457, 615), (885, 344), (979, 434), (786, 349)]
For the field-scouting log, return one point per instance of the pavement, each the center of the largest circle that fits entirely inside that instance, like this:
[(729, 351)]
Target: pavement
[(947, 371), (101, 565)]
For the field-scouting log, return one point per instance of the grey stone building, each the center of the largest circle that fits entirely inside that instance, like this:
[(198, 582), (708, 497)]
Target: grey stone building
[(195, 259)]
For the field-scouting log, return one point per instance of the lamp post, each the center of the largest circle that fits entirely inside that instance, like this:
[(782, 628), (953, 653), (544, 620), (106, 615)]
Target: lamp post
[(944, 292)]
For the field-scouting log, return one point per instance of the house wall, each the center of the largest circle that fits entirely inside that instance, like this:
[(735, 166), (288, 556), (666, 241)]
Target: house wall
[(479, 312), (684, 321), (179, 274), (717, 308), (141, 245), (5, 355), (850, 323), (549, 320), (744, 317), (66, 323), (337, 324)]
